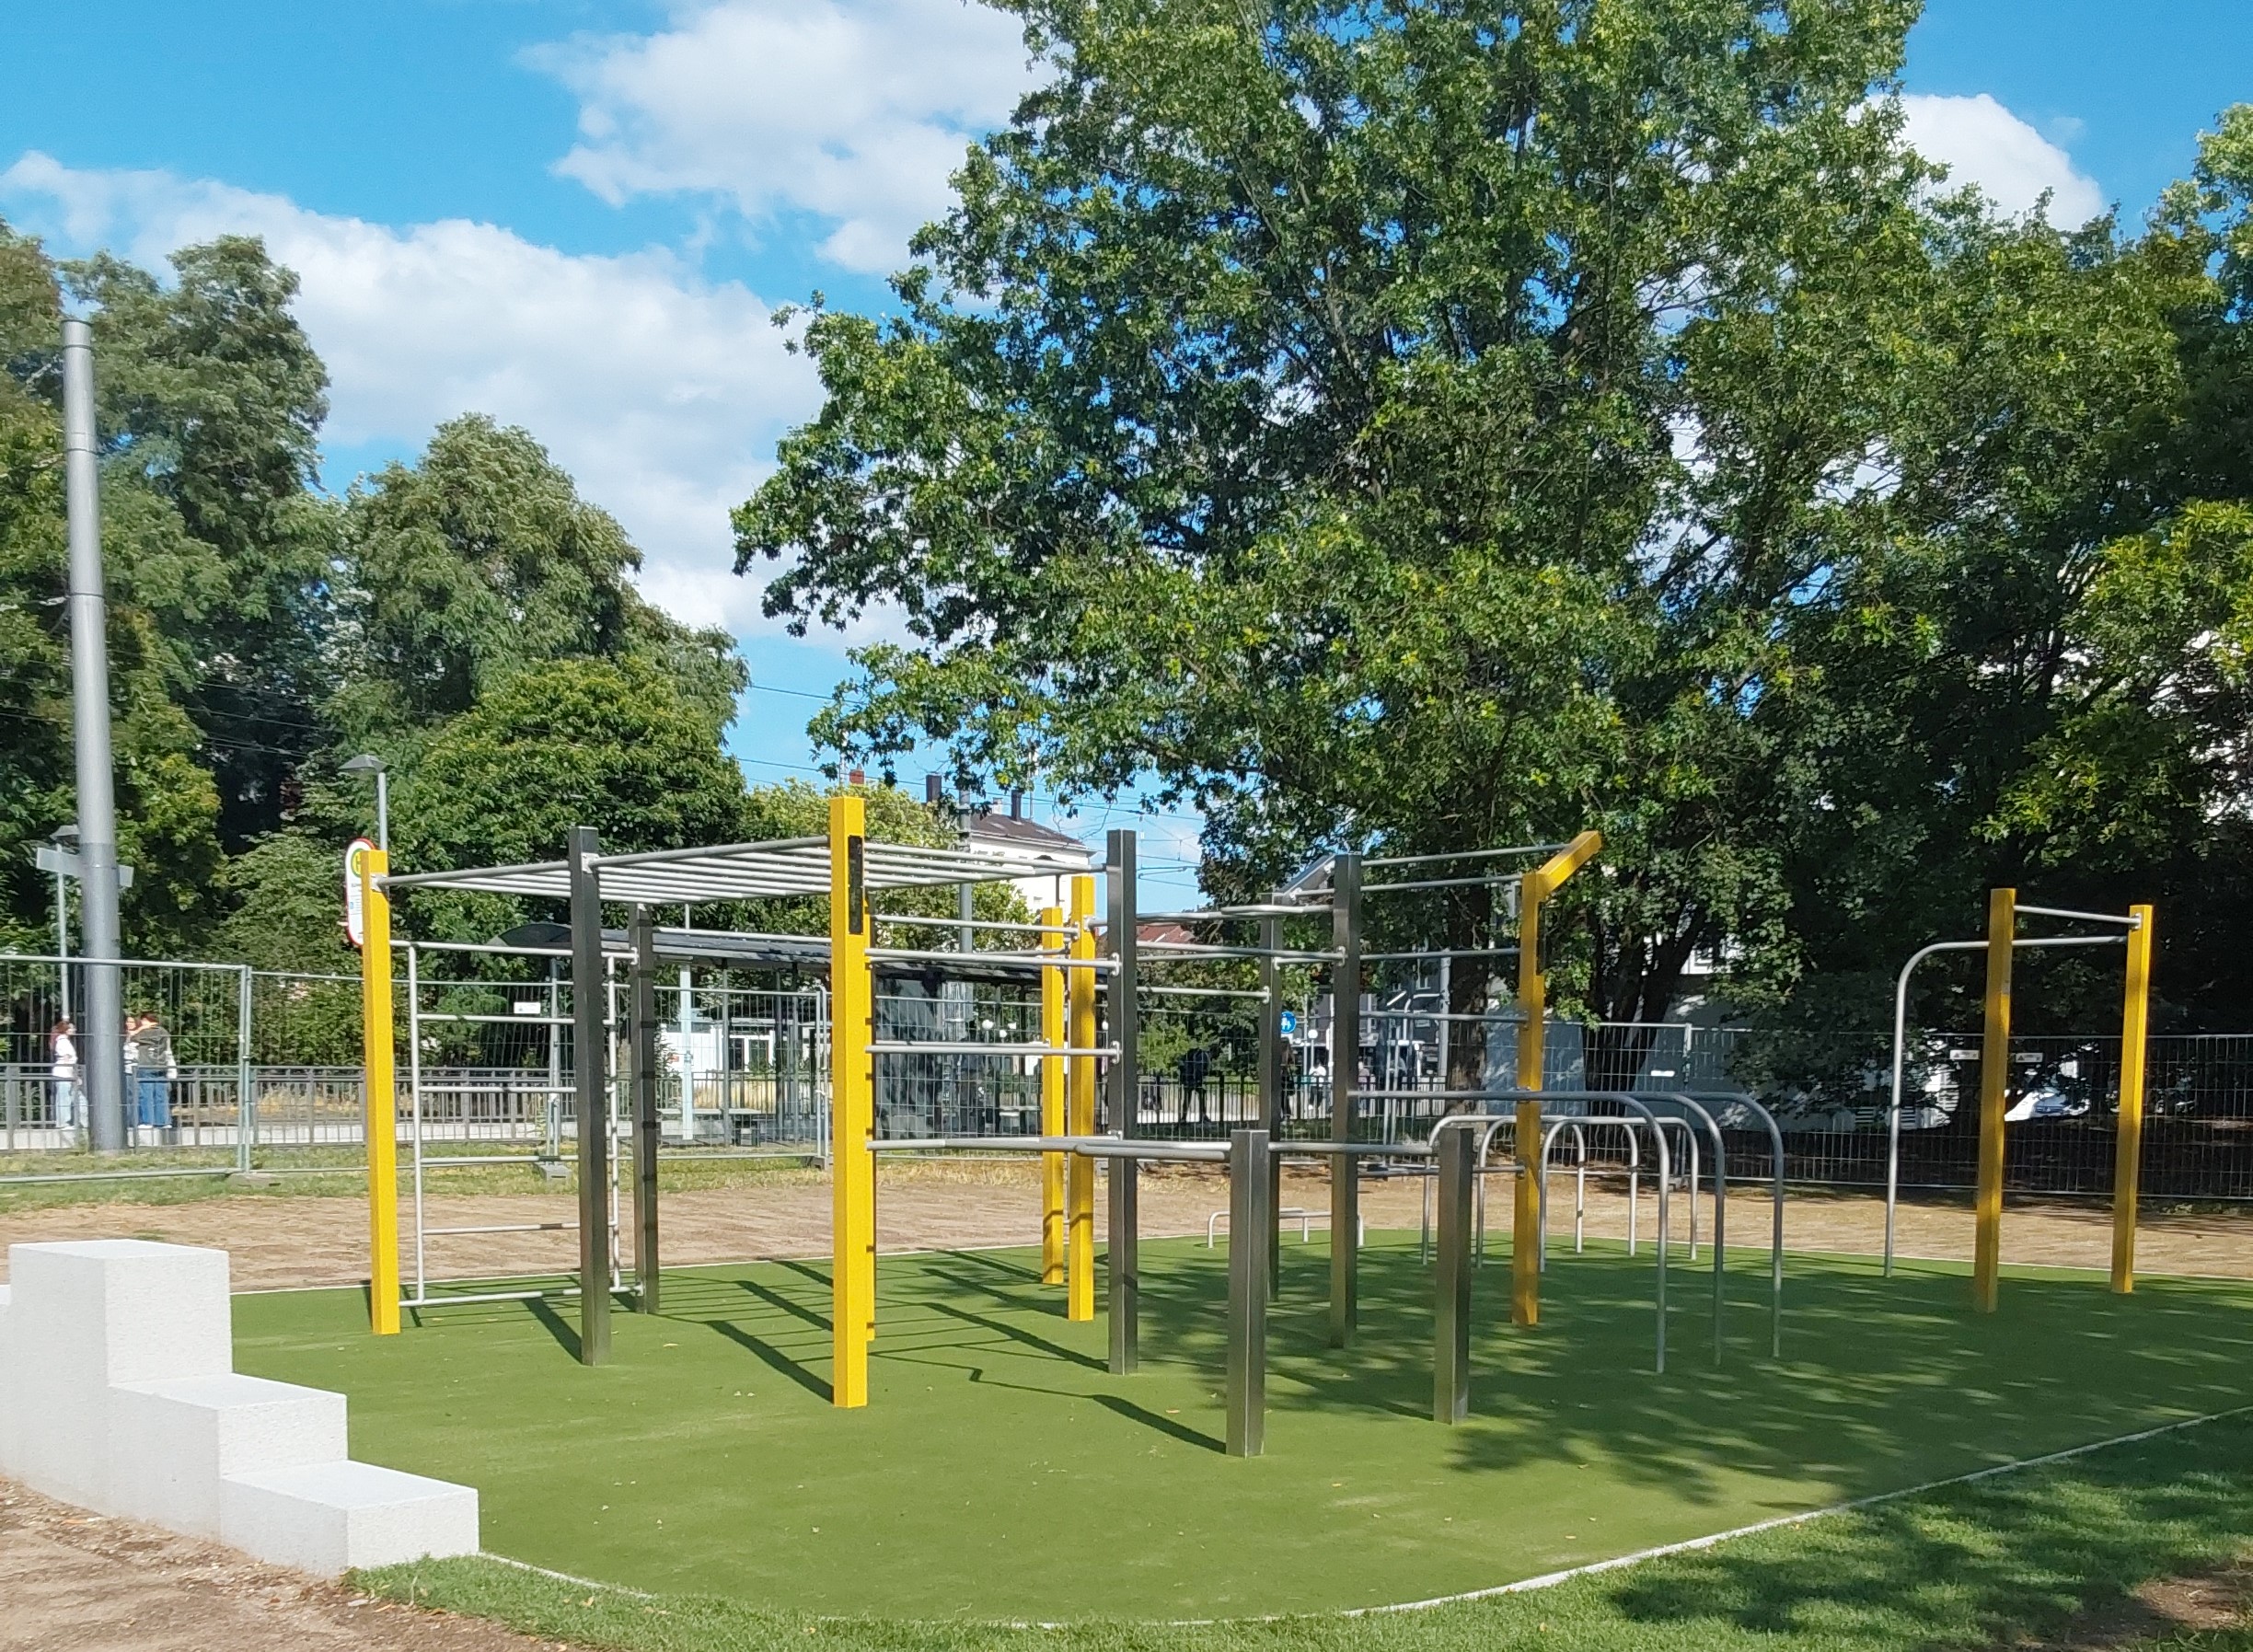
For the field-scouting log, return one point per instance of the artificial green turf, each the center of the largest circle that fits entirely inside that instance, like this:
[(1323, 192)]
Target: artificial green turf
[(2040, 1553), (1001, 1472)]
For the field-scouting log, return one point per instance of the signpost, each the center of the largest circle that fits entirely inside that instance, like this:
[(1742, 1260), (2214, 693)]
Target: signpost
[(355, 898)]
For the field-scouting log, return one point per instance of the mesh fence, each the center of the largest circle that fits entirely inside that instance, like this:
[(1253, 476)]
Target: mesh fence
[(243, 1067)]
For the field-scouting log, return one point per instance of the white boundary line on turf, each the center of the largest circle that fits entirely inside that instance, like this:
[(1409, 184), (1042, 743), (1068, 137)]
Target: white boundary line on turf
[(1551, 1579)]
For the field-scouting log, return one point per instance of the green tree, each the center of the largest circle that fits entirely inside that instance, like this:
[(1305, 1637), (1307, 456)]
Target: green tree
[(1407, 425), (481, 560), (211, 402), (168, 803)]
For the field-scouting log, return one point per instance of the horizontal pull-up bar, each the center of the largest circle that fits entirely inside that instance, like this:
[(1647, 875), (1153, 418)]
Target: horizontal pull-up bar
[(1244, 914), (977, 923), (1198, 949), (2126, 920), (1086, 1147), (968, 1047), (1492, 881), (1465, 854), (1452, 952), (908, 954), (1246, 992)]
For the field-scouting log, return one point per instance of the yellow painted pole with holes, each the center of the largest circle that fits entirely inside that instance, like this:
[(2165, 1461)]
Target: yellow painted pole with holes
[(382, 1127), (1994, 1098), (852, 1107), (2128, 1151), (1052, 1103), (1536, 888), (1080, 1109)]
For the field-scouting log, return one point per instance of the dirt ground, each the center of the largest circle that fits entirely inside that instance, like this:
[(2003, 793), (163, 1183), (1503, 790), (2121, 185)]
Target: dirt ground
[(76, 1582), (278, 1243)]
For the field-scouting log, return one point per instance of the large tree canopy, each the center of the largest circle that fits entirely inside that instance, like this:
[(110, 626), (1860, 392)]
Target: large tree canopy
[(1432, 426)]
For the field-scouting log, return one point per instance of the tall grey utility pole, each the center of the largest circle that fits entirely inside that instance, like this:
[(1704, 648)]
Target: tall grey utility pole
[(101, 1034)]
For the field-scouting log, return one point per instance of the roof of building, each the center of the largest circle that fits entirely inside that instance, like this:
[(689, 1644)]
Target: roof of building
[(1014, 831)]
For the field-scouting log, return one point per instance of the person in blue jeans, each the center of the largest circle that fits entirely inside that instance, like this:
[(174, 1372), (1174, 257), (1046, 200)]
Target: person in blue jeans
[(149, 1046)]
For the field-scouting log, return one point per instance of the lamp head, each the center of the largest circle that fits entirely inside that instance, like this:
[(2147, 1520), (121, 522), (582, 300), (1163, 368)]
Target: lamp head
[(365, 763)]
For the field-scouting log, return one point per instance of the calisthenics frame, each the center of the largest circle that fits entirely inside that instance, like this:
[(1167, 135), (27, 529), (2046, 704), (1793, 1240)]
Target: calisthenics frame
[(2002, 943)]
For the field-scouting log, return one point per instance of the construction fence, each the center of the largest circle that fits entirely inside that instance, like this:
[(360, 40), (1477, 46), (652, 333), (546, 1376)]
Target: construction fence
[(252, 1068)]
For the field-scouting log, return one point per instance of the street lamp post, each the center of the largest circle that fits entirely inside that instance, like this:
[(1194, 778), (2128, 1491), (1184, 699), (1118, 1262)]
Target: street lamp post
[(64, 838), (366, 763)]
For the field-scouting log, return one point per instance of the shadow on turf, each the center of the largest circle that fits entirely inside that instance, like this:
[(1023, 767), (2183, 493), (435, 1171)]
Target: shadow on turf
[(1972, 1565), (1883, 1381)]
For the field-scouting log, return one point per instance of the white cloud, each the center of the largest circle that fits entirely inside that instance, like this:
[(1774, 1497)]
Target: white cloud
[(1982, 143), (660, 392), (853, 110)]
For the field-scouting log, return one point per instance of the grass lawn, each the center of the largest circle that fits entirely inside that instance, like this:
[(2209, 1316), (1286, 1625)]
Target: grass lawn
[(999, 1473)]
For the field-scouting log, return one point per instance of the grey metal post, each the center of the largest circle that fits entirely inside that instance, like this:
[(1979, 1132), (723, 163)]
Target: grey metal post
[(101, 1036), (246, 1100), (1126, 1083), (641, 1032), (1451, 1302), (1250, 1217), (1344, 1071), (591, 1092), (1271, 1090)]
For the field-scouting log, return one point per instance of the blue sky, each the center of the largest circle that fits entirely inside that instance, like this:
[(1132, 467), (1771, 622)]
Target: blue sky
[(577, 214)]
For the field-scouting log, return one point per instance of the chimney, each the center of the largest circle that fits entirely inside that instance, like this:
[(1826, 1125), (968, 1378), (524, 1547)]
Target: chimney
[(857, 777), (1016, 805), (934, 789)]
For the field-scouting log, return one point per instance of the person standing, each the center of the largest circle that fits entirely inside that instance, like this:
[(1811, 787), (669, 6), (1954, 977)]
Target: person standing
[(62, 1051), (153, 1069), (1191, 1070)]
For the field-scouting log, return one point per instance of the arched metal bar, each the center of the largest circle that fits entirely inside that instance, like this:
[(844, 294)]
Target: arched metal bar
[(1621, 1098), (1720, 1198), (1634, 1166), (1775, 1239), (1580, 1127)]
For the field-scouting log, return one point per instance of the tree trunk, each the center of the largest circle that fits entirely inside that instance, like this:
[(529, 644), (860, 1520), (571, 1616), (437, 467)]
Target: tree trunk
[(1469, 985)]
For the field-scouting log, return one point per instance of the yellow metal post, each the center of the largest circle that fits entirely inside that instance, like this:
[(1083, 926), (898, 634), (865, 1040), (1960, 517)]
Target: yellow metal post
[(2128, 1151), (1994, 1098), (1080, 1109), (1052, 1103), (1534, 1003), (382, 1127), (852, 1107)]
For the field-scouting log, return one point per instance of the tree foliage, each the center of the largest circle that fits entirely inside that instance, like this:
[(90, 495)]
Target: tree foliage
[(1430, 427)]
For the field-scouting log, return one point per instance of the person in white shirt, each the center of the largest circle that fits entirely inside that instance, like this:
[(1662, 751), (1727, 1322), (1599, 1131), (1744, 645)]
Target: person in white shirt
[(63, 1047)]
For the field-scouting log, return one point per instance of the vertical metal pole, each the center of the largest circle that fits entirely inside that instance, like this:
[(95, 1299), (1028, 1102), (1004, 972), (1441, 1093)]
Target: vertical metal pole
[(2128, 1148), (1270, 1069), (1451, 1303), (101, 1034), (1055, 1033), (1345, 1075), (1079, 1110), (591, 1095), (381, 1129), (641, 1032), (1994, 1098), (63, 939), (245, 1102), (1125, 1078), (1249, 1219), (853, 1107), (1532, 1003)]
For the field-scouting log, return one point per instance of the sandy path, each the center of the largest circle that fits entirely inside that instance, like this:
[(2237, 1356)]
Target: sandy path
[(283, 1242), (76, 1582)]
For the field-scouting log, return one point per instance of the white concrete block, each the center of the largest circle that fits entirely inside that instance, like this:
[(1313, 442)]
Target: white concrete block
[(87, 1314), (11, 1405), (335, 1517), (152, 1311), (172, 1442)]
